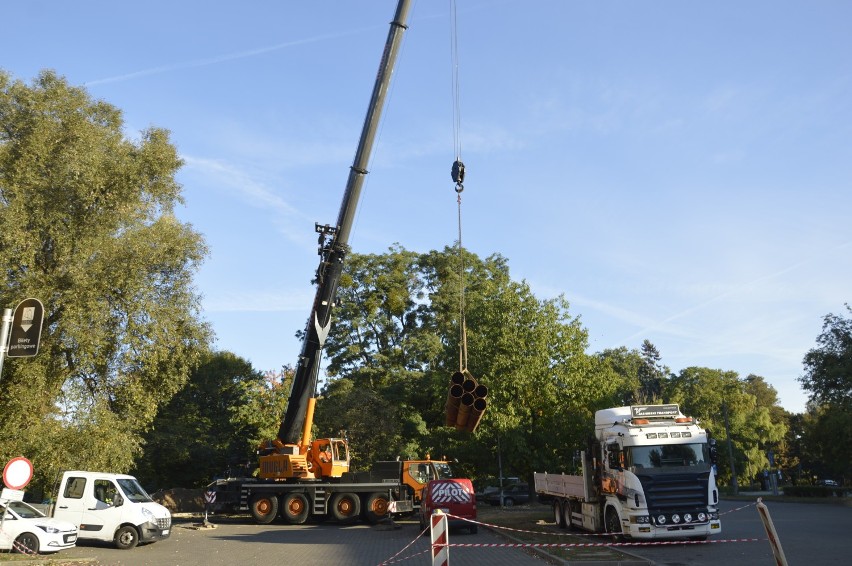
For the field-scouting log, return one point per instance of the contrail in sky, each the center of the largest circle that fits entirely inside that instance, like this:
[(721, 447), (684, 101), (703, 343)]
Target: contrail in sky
[(728, 293), (223, 58)]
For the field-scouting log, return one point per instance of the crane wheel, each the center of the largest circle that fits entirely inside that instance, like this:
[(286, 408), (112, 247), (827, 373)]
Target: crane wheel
[(345, 507), (376, 507), (294, 508), (264, 508)]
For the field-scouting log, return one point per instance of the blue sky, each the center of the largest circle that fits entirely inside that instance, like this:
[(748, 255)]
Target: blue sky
[(679, 170)]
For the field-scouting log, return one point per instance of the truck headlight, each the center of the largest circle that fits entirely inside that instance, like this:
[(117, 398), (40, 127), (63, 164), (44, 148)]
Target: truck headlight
[(675, 518), (661, 520), (702, 517), (687, 517)]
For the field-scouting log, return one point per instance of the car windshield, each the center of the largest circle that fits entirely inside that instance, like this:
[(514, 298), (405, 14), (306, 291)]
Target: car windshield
[(133, 491), (669, 457), (21, 509)]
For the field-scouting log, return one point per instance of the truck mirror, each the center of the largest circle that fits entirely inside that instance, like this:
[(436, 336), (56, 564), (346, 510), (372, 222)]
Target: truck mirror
[(714, 453)]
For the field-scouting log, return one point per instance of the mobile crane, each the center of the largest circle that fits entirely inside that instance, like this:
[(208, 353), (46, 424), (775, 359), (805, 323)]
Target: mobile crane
[(299, 477)]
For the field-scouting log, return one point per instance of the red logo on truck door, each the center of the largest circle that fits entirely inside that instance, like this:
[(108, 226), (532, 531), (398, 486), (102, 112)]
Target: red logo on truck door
[(449, 492)]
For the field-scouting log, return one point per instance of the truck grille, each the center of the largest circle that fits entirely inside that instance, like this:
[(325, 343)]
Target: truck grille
[(669, 492)]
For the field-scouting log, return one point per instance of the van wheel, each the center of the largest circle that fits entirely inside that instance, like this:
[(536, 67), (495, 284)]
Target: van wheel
[(126, 538), (264, 508), (26, 543), (376, 507)]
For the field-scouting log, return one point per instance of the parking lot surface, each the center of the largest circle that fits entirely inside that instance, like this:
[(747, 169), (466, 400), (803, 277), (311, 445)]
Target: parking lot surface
[(242, 542)]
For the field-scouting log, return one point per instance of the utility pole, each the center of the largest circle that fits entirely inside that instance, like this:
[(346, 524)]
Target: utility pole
[(734, 484)]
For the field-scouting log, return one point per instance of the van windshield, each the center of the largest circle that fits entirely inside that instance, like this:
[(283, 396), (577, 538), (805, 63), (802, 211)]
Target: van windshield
[(133, 491)]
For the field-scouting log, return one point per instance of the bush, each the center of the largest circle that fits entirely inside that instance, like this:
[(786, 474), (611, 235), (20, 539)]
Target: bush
[(815, 491)]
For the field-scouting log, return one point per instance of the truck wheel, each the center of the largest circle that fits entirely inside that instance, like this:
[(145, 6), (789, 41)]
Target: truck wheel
[(26, 543), (126, 538), (567, 508), (295, 508), (376, 507), (264, 508), (345, 507), (558, 517), (613, 524)]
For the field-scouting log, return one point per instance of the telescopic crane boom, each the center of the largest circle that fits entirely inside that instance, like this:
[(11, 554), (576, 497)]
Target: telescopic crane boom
[(292, 454)]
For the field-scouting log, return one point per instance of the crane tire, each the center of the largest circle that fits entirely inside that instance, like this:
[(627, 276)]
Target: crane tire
[(264, 508), (376, 507), (346, 507), (295, 508)]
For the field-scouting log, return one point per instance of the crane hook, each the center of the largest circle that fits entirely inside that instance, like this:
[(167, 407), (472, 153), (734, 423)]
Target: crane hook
[(458, 175)]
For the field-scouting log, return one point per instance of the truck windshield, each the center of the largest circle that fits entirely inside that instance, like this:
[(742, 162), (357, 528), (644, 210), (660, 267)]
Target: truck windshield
[(133, 491), (694, 456), (444, 470)]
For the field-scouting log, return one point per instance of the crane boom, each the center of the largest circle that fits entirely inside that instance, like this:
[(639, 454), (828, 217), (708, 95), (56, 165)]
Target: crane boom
[(295, 427)]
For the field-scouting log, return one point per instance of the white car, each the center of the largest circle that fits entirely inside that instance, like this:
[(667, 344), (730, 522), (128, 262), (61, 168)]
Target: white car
[(27, 530)]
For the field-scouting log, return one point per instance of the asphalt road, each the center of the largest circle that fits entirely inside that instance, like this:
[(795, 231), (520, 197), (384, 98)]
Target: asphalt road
[(809, 533), (242, 542)]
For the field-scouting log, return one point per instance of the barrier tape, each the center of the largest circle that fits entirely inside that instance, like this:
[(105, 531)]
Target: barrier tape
[(593, 544), (739, 508), (392, 560)]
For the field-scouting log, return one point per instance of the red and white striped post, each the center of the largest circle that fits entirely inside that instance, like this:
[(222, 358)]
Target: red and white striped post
[(774, 541), (440, 539)]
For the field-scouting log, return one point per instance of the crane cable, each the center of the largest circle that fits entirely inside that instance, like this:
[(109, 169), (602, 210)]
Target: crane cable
[(458, 178)]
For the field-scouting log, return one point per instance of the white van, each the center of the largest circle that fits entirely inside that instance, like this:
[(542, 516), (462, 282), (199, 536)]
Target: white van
[(110, 507)]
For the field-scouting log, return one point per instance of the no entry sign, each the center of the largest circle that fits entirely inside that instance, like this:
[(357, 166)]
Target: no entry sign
[(17, 473)]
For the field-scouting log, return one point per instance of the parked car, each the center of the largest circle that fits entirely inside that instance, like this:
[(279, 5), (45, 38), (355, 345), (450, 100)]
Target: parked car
[(483, 495), (827, 483), (26, 529), (514, 494)]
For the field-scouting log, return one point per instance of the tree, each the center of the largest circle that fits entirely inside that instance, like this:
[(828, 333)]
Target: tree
[(214, 424), (828, 377), (828, 367), (399, 339), (707, 394), (86, 225), (651, 375)]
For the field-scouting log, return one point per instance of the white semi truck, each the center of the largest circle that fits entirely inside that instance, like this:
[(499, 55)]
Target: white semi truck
[(649, 473)]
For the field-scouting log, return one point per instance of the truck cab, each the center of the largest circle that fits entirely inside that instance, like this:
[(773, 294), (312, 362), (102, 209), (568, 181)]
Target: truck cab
[(110, 507), (417, 473), (657, 473)]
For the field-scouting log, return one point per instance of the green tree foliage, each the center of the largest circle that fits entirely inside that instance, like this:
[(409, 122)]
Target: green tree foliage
[(828, 367), (213, 425), (86, 226), (398, 341), (828, 377), (707, 394)]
